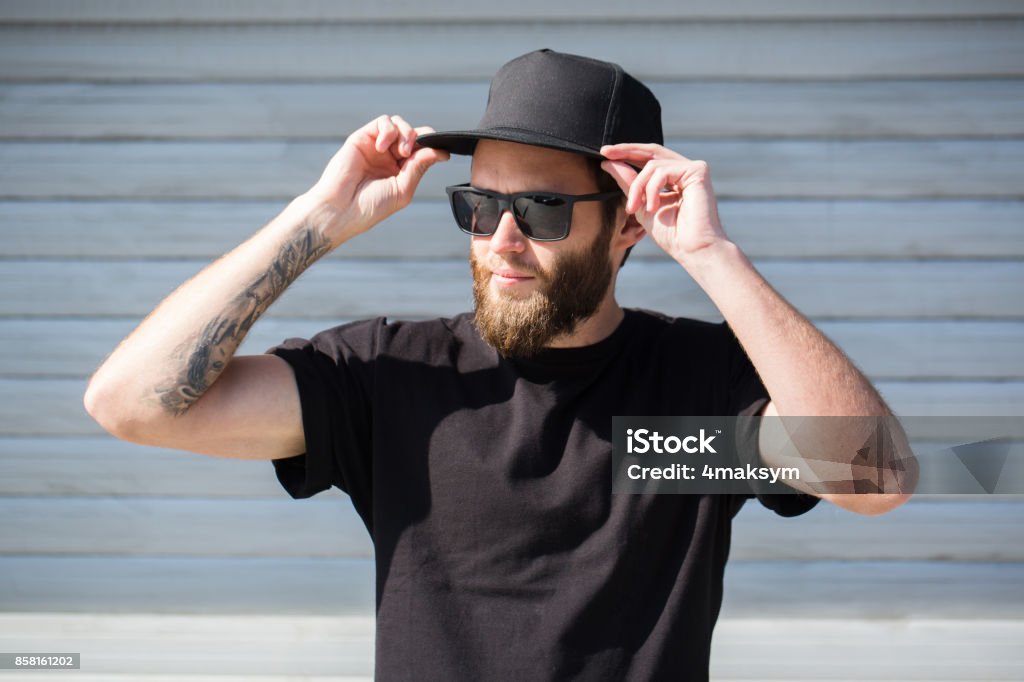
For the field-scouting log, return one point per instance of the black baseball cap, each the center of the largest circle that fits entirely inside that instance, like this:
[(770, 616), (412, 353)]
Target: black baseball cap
[(562, 101)]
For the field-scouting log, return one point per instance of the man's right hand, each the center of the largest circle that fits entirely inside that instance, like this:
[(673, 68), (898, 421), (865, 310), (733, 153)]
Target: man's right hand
[(373, 175)]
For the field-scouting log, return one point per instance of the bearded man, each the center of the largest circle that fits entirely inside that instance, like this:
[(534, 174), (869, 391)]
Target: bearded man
[(477, 449)]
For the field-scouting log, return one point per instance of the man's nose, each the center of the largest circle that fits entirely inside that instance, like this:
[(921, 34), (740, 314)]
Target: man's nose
[(507, 237)]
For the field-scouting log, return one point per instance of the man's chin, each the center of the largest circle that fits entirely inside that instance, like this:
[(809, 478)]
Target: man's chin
[(508, 303)]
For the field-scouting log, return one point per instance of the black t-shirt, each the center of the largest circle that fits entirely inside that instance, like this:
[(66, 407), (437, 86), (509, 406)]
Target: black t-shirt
[(485, 484)]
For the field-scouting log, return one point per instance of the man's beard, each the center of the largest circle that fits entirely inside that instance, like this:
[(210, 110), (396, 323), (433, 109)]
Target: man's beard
[(565, 296)]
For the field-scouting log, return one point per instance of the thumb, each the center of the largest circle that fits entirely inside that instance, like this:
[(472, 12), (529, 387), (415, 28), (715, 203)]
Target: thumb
[(411, 172)]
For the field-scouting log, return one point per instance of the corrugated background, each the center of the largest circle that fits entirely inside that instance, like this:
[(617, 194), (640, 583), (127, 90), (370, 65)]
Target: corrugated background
[(868, 157)]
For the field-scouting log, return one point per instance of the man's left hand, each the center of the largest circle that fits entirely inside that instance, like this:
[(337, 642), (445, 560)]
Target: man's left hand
[(683, 219)]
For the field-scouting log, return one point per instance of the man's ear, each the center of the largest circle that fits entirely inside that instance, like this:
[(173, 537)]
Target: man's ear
[(631, 231), (628, 233)]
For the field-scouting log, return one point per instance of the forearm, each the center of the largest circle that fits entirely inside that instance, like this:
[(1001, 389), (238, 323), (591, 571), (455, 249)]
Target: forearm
[(804, 372), (807, 375), (183, 345)]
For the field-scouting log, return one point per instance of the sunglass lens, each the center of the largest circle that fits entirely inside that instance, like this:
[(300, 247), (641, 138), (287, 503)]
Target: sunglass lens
[(542, 217), (476, 213)]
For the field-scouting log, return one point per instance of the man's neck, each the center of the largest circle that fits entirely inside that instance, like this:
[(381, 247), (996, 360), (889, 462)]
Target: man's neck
[(597, 327)]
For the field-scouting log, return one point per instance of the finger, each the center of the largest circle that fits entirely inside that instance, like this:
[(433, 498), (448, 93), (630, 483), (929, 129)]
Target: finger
[(638, 151), (653, 188), (366, 134), (407, 136), (660, 178), (626, 151), (387, 133), (636, 190), (421, 130), (621, 172), (411, 172), (370, 129)]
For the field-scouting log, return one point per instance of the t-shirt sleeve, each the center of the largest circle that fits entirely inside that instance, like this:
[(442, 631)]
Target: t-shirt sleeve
[(334, 373), (747, 396)]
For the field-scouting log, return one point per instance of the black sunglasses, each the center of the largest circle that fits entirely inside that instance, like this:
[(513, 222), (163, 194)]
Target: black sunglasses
[(541, 216)]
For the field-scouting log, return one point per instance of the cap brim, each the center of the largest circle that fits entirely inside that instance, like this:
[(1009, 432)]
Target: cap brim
[(464, 141)]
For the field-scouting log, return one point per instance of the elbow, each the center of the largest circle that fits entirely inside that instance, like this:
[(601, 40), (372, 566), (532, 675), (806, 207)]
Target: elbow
[(96, 402), (868, 504), (102, 404), (885, 503)]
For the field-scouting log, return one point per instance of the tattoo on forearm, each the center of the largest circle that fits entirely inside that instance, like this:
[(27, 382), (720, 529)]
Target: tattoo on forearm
[(208, 353)]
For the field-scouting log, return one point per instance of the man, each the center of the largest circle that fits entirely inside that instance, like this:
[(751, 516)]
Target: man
[(477, 449)]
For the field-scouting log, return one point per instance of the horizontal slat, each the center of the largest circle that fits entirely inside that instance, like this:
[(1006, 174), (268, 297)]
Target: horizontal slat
[(43, 676), (62, 676), (877, 109), (939, 349), (184, 645), (940, 650), (740, 169), (86, 677), (955, 399), (882, 349), (934, 531), (104, 466), (33, 407), (340, 290), (237, 110), (662, 49), (820, 649), (329, 527), (96, 338), (200, 527), (268, 11), (762, 228), (875, 590), (213, 586), (868, 590)]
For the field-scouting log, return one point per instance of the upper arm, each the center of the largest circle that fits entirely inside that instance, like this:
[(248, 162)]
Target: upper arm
[(252, 411)]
